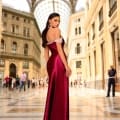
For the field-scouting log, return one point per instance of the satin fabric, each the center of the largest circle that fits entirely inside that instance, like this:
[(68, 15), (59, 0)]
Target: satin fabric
[(57, 102)]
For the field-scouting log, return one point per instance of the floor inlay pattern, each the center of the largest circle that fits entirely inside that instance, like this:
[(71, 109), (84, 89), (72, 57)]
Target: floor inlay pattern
[(85, 104)]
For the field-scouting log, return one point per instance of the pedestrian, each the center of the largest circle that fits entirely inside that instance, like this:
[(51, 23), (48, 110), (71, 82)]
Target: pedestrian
[(111, 81), (17, 81), (23, 81)]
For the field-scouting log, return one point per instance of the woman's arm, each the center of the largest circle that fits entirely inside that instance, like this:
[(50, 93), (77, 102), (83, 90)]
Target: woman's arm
[(61, 53), (46, 53)]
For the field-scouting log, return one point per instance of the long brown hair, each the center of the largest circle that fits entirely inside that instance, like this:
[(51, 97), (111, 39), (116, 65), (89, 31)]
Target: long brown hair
[(44, 40)]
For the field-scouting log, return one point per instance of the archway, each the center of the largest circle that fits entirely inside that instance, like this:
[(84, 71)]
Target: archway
[(12, 70)]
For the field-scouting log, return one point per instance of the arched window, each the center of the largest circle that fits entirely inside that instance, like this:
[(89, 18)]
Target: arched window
[(79, 30), (28, 32), (2, 45), (78, 64), (77, 48), (25, 49), (17, 29), (4, 26), (2, 62), (14, 47), (76, 31), (26, 64), (13, 28), (24, 31)]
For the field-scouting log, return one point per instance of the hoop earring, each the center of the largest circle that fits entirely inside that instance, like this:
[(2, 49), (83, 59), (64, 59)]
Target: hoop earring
[(49, 26)]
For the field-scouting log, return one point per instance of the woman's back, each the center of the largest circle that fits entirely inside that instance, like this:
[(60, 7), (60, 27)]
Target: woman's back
[(57, 101), (52, 34)]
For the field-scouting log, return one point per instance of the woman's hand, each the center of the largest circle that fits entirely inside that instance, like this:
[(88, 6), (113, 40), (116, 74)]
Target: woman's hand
[(68, 71)]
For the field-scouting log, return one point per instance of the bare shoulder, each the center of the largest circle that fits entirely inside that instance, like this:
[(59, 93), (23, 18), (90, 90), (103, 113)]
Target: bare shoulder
[(57, 29), (57, 32), (53, 33)]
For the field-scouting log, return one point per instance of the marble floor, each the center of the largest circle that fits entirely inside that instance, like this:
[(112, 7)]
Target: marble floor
[(85, 104)]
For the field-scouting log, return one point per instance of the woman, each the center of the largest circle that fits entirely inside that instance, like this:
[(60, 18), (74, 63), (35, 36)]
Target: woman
[(57, 103)]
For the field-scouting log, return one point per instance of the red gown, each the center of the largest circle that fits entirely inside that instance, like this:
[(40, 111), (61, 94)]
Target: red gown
[(57, 102)]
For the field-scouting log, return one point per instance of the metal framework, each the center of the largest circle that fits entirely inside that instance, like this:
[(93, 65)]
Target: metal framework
[(33, 4)]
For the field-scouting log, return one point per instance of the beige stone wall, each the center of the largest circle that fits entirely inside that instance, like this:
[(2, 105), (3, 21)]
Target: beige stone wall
[(103, 44), (22, 20), (76, 21)]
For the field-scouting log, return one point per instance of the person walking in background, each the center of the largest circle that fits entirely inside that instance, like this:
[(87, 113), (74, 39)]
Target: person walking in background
[(22, 81), (17, 81), (33, 82), (13, 83), (57, 102), (28, 83), (10, 83), (7, 81), (111, 81)]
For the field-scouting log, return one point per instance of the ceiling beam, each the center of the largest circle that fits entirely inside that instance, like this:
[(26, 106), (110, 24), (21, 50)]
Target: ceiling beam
[(33, 4)]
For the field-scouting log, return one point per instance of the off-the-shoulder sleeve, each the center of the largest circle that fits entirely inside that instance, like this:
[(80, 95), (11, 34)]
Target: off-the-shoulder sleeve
[(59, 40)]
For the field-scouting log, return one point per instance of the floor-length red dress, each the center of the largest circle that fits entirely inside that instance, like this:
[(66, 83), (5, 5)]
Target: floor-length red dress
[(57, 102)]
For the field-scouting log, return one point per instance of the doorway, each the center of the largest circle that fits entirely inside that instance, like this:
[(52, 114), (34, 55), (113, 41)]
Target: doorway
[(116, 50), (12, 70)]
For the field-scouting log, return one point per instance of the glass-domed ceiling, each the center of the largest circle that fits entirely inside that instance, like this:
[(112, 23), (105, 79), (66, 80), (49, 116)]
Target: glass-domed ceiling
[(42, 10), (45, 7)]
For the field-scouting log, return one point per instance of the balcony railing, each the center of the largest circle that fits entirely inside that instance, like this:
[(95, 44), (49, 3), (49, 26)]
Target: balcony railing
[(18, 56), (14, 55), (2, 65), (112, 9), (16, 35), (25, 67)]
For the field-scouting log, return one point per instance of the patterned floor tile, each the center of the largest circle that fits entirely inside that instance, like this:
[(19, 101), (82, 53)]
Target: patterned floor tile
[(85, 104)]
